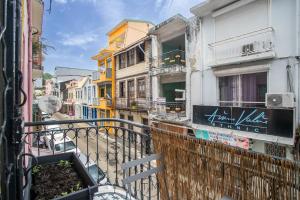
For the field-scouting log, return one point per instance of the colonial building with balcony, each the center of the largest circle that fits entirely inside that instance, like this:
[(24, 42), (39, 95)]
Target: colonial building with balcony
[(88, 94), (132, 81), (71, 99), (122, 35), (170, 73), (245, 89)]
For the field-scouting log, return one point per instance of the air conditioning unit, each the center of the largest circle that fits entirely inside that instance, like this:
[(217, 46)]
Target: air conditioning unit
[(248, 49), (285, 100)]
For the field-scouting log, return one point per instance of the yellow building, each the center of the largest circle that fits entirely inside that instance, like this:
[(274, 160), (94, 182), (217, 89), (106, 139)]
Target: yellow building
[(122, 35)]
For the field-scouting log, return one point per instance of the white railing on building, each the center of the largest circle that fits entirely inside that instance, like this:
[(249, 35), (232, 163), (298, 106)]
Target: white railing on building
[(251, 46), (96, 76), (169, 62)]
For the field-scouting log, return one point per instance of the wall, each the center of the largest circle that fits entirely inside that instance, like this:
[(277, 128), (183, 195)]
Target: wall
[(280, 15)]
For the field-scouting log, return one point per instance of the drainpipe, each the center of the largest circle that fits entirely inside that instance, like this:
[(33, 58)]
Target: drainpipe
[(297, 55), (30, 84)]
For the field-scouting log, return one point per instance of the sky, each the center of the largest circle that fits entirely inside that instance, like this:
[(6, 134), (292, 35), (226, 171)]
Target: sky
[(77, 28)]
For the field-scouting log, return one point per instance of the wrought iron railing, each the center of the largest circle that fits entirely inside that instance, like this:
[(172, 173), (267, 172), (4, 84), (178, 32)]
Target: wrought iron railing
[(132, 103), (108, 144)]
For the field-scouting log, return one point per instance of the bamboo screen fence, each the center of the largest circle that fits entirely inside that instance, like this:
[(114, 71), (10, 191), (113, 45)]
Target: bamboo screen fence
[(198, 169)]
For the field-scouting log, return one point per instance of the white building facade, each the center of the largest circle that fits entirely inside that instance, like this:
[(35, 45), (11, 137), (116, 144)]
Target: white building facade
[(89, 92), (169, 71), (244, 57)]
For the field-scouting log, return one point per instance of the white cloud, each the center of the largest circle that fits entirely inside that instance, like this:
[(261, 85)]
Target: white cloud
[(61, 1), (168, 8), (79, 39)]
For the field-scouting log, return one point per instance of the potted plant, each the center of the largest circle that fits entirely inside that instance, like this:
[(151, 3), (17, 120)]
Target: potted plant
[(60, 176), (133, 105)]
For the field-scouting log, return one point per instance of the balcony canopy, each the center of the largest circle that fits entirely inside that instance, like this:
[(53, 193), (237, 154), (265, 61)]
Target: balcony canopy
[(171, 27), (103, 53)]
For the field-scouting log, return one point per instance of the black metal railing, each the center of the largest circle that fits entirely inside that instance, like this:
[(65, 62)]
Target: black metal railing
[(12, 99), (132, 103), (169, 62), (109, 143), (174, 57)]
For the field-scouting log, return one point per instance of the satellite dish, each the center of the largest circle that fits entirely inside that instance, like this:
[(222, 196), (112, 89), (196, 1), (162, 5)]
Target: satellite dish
[(49, 104)]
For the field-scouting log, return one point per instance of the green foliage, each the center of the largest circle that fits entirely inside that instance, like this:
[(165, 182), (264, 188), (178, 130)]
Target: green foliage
[(64, 163), (36, 169), (47, 76), (64, 193)]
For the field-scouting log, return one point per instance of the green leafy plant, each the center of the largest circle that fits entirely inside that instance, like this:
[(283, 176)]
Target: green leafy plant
[(64, 163), (36, 169), (64, 193), (134, 104), (77, 187)]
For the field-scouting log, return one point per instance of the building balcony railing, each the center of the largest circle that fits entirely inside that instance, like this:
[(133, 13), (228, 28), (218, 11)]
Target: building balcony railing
[(138, 104), (103, 102), (169, 62), (247, 47), (168, 108), (103, 144), (96, 76)]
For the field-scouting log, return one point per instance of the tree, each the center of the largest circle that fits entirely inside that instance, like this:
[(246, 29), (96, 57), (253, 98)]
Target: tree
[(47, 76)]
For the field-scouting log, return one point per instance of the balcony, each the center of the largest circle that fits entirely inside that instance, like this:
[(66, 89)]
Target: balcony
[(231, 171), (96, 76), (168, 109), (133, 104), (103, 76), (252, 46), (96, 147), (102, 102), (170, 62)]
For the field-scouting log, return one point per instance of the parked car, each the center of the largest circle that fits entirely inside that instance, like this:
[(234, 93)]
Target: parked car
[(60, 144), (93, 170)]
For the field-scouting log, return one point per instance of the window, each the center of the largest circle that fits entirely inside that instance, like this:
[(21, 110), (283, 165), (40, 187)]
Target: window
[(108, 63), (94, 91), (122, 116), (122, 89), (131, 92), (130, 57), (89, 93), (246, 90), (140, 56), (122, 60), (102, 91), (141, 87)]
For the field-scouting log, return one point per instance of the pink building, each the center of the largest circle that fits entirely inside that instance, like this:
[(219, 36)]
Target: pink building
[(32, 17), (49, 86)]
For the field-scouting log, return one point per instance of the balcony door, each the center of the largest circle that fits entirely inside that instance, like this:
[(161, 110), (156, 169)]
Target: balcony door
[(130, 92)]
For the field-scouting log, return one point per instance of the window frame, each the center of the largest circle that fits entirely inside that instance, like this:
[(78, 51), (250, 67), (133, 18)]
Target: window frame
[(122, 62), (124, 89), (131, 57), (240, 102), (133, 90), (138, 88)]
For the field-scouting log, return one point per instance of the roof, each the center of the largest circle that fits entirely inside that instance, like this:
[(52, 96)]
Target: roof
[(81, 82), (63, 74), (103, 53), (124, 21), (206, 7), (175, 18), (132, 45)]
